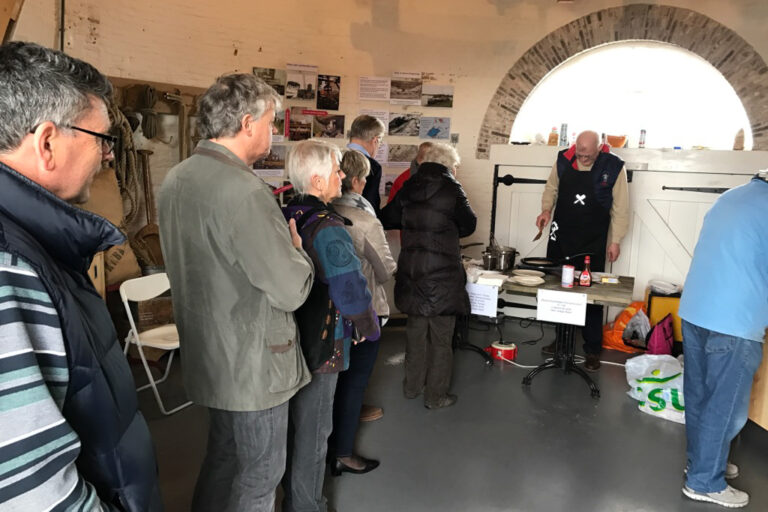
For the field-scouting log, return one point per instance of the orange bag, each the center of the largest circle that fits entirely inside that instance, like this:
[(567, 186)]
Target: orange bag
[(612, 331)]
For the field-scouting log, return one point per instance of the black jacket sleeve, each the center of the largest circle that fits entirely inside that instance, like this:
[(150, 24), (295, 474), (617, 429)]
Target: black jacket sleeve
[(391, 215), (466, 220)]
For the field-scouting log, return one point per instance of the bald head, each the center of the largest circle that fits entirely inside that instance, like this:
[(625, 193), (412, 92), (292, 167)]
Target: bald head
[(587, 148)]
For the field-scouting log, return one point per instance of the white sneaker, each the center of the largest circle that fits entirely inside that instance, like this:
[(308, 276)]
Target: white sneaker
[(731, 471), (728, 497)]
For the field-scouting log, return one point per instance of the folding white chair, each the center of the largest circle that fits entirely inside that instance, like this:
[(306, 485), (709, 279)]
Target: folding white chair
[(165, 337)]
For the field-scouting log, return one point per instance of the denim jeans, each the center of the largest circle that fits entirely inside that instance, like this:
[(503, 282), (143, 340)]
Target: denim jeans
[(349, 397), (429, 356), (311, 420), (718, 379), (244, 460)]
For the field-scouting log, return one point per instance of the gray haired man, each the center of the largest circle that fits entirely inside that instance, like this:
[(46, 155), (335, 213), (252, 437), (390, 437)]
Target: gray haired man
[(366, 135), (71, 435), (237, 273)]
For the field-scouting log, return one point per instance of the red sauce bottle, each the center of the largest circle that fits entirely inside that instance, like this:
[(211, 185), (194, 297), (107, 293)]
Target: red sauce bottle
[(586, 275)]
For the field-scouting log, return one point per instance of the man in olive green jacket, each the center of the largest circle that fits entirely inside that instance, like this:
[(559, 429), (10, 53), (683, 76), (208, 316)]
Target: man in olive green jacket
[(237, 273)]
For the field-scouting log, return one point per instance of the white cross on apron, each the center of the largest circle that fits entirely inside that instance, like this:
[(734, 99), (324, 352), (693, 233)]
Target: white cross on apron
[(580, 199)]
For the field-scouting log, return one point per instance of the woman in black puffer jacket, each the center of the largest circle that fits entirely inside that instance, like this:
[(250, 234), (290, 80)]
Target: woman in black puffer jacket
[(433, 213)]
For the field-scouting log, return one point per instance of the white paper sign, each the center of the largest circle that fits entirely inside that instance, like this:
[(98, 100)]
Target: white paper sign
[(374, 88), (561, 307), (483, 299)]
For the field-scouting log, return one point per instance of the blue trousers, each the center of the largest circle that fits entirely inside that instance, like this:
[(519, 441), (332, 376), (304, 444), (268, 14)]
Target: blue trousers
[(244, 460), (349, 397), (718, 379)]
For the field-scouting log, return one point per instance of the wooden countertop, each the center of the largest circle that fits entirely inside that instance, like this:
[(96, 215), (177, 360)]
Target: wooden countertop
[(606, 294)]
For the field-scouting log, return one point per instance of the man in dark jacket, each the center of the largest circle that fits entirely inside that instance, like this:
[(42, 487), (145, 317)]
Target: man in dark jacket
[(366, 135), (70, 430), (433, 213)]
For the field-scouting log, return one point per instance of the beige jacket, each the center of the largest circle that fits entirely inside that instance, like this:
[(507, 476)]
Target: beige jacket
[(236, 279), (372, 248)]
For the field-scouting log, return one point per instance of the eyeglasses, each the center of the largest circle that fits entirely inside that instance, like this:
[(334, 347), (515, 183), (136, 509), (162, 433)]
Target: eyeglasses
[(107, 141)]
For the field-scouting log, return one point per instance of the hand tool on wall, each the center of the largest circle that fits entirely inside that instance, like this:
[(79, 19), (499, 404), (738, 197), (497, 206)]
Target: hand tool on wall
[(182, 113), (146, 242)]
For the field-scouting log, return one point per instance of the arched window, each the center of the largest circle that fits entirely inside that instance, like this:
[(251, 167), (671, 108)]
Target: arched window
[(680, 99)]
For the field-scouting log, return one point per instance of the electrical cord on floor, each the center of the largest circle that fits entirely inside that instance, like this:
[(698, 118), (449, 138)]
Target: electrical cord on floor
[(531, 320)]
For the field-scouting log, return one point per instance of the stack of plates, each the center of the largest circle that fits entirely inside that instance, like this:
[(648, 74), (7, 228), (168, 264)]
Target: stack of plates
[(526, 272), (527, 280)]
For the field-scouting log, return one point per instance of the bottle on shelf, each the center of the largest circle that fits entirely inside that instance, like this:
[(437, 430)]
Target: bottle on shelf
[(585, 279), (554, 137), (641, 144), (563, 142)]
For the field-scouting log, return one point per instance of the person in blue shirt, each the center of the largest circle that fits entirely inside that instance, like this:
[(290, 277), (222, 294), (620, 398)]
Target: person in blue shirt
[(724, 308)]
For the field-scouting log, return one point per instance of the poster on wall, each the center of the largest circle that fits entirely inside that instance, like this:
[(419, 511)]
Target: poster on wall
[(382, 153), (301, 82), (435, 128), (299, 124), (388, 177), (331, 126), (381, 115), (405, 124), (437, 96), (374, 88), (274, 77), (328, 92), (280, 134), (272, 165), (400, 155), (405, 89)]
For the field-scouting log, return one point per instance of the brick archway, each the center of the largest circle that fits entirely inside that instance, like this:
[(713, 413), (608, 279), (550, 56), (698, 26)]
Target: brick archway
[(736, 59)]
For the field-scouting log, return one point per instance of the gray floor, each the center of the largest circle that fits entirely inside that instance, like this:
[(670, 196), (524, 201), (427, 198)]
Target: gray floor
[(500, 448)]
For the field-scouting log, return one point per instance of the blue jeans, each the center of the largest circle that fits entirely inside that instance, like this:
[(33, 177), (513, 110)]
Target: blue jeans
[(311, 420), (718, 379), (244, 460), (349, 397)]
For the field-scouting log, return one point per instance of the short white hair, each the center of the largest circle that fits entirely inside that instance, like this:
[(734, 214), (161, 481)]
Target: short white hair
[(310, 158), (443, 154)]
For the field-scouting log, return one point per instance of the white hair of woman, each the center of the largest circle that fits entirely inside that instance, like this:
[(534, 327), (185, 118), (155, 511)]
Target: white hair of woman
[(310, 158), (443, 154)]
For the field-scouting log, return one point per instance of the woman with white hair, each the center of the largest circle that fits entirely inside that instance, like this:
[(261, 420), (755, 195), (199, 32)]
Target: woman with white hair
[(378, 267), (338, 303), (433, 213)]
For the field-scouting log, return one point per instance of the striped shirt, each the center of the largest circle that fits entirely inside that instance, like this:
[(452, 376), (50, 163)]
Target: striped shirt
[(38, 448)]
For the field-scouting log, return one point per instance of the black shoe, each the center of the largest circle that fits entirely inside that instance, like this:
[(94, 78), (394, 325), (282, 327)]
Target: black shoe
[(446, 401), (338, 467), (549, 350)]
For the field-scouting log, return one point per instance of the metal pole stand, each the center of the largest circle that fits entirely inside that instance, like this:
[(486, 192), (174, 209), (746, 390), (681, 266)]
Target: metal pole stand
[(563, 358)]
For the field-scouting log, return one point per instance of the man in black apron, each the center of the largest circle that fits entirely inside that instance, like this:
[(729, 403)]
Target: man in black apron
[(589, 185)]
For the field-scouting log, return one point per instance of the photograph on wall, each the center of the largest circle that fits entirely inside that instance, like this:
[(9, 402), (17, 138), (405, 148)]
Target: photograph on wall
[(381, 115), (435, 128), (388, 177), (273, 164), (437, 96), (328, 92), (405, 89), (301, 82), (274, 77), (299, 124), (405, 124), (280, 134), (374, 88), (331, 126), (400, 155)]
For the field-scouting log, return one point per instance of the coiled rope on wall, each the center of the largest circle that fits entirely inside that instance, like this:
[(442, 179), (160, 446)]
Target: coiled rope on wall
[(126, 168)]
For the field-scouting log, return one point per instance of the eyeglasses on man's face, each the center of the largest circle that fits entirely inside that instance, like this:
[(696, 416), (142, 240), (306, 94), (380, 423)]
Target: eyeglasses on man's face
[(107, 141)]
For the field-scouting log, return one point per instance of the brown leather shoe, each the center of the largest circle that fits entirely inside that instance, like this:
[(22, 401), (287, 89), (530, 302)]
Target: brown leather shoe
[(371, 413), (548, 350), (592, 364)]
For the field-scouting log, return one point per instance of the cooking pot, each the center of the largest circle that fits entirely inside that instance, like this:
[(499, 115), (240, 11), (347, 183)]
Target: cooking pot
[(490, 260), (506, 258)]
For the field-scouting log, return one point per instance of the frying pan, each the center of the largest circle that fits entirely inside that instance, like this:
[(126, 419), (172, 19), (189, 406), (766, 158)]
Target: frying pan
[(545, 264)]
